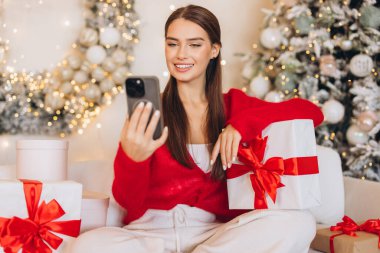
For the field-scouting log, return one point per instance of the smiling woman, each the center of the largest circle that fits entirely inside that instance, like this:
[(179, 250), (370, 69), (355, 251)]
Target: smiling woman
[(38, 97)]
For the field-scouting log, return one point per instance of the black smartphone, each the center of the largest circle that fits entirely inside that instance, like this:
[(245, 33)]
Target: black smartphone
[(145, 89)]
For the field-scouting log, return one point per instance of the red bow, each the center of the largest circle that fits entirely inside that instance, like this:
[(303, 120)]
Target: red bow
[(349, 227), (32, 234), (266, 177)]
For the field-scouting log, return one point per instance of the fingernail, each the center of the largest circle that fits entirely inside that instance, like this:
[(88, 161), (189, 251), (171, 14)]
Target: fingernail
[(157, 113), (229, 165), (140, 105), (234, 159), (211, 162), (224, 167), (149, 105)]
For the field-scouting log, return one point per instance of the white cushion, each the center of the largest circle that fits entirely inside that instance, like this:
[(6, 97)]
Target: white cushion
[(331, 209)]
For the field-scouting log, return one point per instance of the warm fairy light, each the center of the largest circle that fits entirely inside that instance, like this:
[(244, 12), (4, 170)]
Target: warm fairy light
[(254, 46), (5, 144), (98, 125), (172, 7), (80, 131), (223, 62), (244, 89)]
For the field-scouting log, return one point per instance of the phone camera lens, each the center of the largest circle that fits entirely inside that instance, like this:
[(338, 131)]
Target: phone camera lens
[(135, 87)]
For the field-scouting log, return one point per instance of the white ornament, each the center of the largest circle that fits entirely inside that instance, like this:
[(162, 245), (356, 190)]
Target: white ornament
[(86, 67), (96, 54), (80, 77), (120, 74), (106, 85), (259, 86), (88, 37), (54, 83), (54, 100), (356, 136), (119, 56), (109, 36), (109, 65), (271, 37), (273, 96), (247, 72), (66, 88), (346, 45), (98, 74), (361, 65), (92, 93), (367, 120), (66, 73), (74, 61), (333, 111)]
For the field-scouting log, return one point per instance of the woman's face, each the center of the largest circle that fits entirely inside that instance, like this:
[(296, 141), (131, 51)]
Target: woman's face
[(188, 50)]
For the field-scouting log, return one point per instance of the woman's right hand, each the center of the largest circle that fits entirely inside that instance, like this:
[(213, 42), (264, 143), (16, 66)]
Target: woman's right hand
[(137, 135)]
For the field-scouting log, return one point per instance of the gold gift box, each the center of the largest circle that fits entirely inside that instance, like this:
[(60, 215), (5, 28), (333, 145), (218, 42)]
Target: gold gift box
[(362, 243)]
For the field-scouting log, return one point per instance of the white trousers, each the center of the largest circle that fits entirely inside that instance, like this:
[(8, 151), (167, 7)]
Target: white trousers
[(178, 230)]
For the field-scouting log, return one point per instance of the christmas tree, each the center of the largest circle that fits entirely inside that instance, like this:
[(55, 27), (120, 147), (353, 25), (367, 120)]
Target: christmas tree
[(326, 51)]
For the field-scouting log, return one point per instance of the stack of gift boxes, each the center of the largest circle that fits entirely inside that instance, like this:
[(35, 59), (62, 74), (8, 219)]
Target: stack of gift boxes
[(42, 211), (279, 170)]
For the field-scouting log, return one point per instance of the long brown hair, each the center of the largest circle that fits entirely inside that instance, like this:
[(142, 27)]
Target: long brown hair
[(174, 113)]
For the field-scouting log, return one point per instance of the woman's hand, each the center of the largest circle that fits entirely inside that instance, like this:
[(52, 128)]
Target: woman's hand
[(227, 145), (137, 138)]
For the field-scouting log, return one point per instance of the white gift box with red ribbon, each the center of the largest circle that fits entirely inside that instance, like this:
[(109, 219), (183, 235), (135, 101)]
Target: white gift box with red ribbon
[(39, 217), (284, 176)]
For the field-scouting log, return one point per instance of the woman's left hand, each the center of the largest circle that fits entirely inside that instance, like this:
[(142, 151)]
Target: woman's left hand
[(227, 145)]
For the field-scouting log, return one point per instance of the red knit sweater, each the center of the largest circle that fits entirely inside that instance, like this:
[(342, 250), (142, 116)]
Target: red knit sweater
[(160, 182)]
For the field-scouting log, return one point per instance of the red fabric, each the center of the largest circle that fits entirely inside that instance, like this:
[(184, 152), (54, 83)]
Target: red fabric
[(160, 182)]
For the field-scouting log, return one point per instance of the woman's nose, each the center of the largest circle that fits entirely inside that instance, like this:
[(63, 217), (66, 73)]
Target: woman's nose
[(182, 52)]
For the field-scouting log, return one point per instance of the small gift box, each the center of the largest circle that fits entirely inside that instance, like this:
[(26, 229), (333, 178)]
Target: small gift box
[(278, 170), (94, 210), (348, 237), (44, 160), (38, 217)]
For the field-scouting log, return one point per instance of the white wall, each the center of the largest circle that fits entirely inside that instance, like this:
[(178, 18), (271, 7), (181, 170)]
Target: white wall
[(240, 23)]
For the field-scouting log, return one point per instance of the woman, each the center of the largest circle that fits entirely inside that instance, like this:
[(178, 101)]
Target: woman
[(174, 188)]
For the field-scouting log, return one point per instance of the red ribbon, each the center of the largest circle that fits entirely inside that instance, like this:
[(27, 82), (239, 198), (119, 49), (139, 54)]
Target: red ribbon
[(349, 227), (35, 232), (266, 177)]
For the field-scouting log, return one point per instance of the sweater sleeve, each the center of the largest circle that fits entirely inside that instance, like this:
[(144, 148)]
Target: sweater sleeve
[(250, 115), (131, 182)]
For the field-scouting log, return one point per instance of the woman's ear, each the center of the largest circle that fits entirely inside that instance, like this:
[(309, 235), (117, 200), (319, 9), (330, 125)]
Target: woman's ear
[(215, 50)]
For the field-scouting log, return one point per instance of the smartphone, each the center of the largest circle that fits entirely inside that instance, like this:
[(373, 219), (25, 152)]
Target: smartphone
[(145, 89)]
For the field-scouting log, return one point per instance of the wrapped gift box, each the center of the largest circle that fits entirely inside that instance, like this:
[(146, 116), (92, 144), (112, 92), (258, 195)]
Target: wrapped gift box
[(44, 160), (94, 210), (362, 243), (53, 209), (292, 141)]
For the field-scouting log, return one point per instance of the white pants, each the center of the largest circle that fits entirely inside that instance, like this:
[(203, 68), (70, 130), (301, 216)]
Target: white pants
[(258, 231)]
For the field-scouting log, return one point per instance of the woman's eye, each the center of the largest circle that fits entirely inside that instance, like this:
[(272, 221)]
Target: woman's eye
[(171, 44), (195, 45)]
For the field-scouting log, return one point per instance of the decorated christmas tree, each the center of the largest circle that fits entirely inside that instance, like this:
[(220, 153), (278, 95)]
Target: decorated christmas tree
[(326, 51)]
